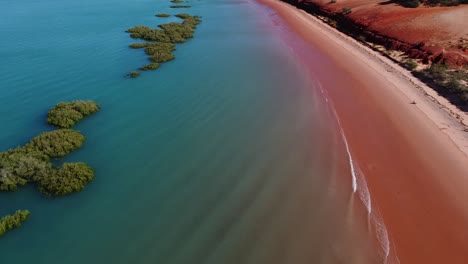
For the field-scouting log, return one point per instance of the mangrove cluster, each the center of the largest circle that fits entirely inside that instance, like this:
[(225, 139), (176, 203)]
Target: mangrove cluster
[(69, 178), (180, 6), (163, 15), (32, 162), (66, 114), (9, 222), (160, 42), (178, 2)]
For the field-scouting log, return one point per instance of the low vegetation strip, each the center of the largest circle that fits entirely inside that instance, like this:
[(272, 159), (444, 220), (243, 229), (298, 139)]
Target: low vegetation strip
[(69, 178), (451, 83), (417, 3), (57, 143), (66, 114), (12, 221), (180, 6), (160, 42)]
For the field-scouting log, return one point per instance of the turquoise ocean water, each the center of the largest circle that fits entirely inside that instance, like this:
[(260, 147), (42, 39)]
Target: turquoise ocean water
[(225, 155)]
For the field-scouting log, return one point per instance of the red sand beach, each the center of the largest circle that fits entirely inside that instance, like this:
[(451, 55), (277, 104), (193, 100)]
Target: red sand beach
[(413, 156)]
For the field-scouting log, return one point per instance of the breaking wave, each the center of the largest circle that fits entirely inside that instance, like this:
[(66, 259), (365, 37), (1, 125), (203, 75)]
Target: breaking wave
[(359, 186)]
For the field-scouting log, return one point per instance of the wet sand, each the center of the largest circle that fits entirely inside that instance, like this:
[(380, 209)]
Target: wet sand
[(413, 156)]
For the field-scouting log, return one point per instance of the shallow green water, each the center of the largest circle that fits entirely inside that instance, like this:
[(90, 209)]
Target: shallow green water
[(225, 155)]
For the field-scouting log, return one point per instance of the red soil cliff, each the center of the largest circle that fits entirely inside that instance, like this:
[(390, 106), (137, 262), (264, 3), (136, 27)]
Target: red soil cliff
[(433, 34)]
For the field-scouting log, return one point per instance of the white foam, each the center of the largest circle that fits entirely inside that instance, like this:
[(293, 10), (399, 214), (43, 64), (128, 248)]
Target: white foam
[(350, 159), (382, 234), (359, 185), (363, 191)]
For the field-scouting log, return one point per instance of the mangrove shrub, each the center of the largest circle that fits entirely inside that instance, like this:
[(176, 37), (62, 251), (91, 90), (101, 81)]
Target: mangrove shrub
[(20, 166), (180, 6), (66, 114), (133, 74), (146, 33), (31, 162), (166, 32), (152, 66), (71, 177), (163, 15), (9, 222), (162, 40), (57, 143)]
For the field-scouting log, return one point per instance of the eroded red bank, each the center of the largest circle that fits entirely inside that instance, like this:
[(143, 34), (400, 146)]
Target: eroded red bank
[(436, 34)]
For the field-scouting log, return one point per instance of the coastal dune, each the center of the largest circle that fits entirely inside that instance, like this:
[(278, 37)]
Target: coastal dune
[(410, 144)]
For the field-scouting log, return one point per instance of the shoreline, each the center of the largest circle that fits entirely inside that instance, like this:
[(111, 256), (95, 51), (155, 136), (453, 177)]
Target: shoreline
[(451, 120), (413, 156)]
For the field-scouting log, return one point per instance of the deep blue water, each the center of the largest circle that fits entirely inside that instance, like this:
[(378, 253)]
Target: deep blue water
[(224, 155)]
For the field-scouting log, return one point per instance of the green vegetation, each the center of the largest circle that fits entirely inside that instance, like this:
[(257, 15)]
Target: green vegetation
[(139, 45), (346, 10), (153, 47), (410, 3), (445, 2), (163, 15), (22, 165), (31, 162), (191, 21), (71, 177), (66, 114), (133, 74), (410, 64), (161, 40), (57, 143), (167, 33), (146, 33), (452, 83), (417, 3), (177, 32), (176, 1), (10, 222), (185, 16), (160, 52), (180, 6), (152, 66)]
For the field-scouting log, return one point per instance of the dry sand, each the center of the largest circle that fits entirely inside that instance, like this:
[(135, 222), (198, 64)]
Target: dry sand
[(414, 156)]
